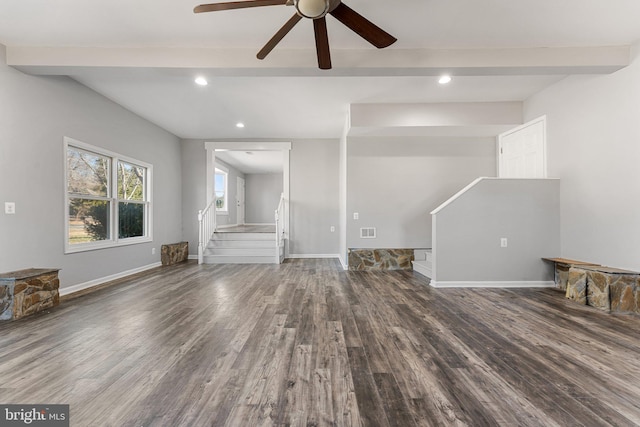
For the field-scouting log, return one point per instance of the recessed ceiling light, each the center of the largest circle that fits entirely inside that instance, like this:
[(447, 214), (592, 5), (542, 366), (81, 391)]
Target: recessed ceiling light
[(201, 81), (239, 125), (444, 79)]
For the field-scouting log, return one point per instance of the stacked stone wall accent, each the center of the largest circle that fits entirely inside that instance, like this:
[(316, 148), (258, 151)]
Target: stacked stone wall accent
[(174, 253), (605, 288), (598, 286), (562, 276), (27, 292), (380, 259), (624, 294), (577, 286)]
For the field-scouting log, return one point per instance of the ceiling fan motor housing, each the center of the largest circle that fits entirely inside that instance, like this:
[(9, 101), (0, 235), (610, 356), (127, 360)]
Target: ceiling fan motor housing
[(312, 9)]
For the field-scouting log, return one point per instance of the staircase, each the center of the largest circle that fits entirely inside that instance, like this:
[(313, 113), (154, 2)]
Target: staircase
[(241, 243), (241, 248), (423, 263)]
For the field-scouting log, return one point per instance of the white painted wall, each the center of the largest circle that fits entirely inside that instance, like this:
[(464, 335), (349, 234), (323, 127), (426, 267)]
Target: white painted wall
[(262, 195), (593, 143), (35, 114), (467, 233), (394, 184)]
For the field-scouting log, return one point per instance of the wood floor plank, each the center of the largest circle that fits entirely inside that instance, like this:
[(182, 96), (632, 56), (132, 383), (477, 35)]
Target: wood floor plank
[(305, 343)]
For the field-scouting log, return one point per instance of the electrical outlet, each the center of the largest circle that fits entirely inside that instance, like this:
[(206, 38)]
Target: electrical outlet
[(356, 215), (153, 251), (333, 229), (503, 242), (9, 208)]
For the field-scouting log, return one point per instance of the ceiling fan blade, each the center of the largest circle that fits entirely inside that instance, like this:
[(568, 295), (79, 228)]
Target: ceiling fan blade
[(363, 27), (213, 7), (279, 36), (322, 43)]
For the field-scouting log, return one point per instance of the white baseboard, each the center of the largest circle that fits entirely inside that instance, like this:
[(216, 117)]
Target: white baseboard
[(90, 284), (425, 270), (193, 257), (312, 256), (345, 266), (488, 284)]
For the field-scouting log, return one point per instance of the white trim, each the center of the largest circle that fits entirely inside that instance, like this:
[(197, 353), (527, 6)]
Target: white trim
[(113, 240), (475, 182), (96, 282), (248, 146), (285, 147), (312, 256), (420, 268), (345, 266), (193, 257), (490, 284), (457, 195)]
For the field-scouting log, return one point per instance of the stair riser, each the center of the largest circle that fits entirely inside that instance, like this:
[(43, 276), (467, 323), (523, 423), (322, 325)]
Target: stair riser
[(242, 244), (245, 236), (215, 259), (242, 251)]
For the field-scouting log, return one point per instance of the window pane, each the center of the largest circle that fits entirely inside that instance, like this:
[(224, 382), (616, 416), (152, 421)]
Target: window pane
[(87, 173), (131, 220), (221, 190), (130, 181), (220, 202), (88, 220), (220, 185)]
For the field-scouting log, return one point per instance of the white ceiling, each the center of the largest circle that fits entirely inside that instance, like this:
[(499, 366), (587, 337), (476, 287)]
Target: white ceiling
[(253, 162), (488, 45)]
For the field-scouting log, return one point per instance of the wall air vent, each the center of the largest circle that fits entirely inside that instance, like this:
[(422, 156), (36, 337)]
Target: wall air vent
[(368, 233)]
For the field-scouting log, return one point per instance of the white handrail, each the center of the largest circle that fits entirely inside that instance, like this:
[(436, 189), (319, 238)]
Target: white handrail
[(206, 228), (279, 215)]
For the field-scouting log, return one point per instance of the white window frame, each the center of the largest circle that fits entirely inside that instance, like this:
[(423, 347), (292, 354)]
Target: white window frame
[(221, 169), (112, 238)]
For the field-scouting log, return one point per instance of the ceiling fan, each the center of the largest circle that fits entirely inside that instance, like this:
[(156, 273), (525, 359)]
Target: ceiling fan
[(317, 11)]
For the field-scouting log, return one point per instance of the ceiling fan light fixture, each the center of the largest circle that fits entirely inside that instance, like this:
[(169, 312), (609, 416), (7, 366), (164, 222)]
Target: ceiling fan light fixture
[(312, 9)]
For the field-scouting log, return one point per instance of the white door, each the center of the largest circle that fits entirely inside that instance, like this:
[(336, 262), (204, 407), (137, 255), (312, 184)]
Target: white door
[(240, 201), (522, 151)]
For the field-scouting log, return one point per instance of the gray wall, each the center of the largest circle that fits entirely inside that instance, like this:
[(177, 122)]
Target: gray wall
[(314, 197), (35, 114), (467, 232), (593, 146), (262, 195), (395, 184), (313, 193)]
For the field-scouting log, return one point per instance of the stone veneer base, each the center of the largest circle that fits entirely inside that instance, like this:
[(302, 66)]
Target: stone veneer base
[(605, 288), (26, 292), (380, 259), (174, 253)]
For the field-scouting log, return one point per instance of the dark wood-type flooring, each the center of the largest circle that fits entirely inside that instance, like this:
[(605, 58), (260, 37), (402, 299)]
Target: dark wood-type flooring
[(306, 344)]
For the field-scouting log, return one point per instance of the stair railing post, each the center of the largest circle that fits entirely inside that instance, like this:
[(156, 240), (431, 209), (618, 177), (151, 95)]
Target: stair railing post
[(201, 233)]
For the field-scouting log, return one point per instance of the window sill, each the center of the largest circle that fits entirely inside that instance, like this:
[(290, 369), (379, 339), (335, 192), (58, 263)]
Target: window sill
[(94, 246)]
